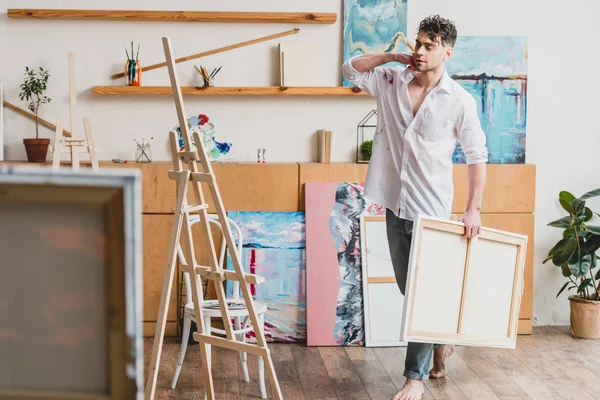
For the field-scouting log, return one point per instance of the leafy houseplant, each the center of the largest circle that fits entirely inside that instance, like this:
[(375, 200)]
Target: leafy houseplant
[(32, 90), (366, 149), (575, 255)]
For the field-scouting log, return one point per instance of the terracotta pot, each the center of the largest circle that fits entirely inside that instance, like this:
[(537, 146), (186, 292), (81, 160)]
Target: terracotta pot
[(36, 149), (585, 318)]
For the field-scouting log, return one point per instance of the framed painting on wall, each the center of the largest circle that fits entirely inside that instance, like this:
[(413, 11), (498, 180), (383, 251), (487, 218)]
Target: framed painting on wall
[(463, 291), (70, 284)]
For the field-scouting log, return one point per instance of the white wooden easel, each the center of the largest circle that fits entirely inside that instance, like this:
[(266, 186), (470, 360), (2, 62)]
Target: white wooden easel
[(73, 145), (181, 224)]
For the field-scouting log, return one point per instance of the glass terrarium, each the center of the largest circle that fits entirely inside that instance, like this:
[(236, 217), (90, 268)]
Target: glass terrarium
[(365, 132)]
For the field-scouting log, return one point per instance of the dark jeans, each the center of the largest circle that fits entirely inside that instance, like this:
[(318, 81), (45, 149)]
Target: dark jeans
[(399, 235)]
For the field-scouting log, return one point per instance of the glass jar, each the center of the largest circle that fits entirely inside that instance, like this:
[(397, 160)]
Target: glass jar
[(143, 154)]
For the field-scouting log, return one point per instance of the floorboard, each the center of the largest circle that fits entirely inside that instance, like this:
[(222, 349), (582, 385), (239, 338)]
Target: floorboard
[(549, 364)]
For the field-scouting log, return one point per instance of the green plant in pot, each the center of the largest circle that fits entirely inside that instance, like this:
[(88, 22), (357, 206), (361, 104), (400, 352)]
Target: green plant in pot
[(33, 91), (366, 149), (575, 254)]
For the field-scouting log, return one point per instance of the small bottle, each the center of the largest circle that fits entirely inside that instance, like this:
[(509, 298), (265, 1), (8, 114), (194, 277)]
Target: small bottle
[(258, 156), (263, 155)]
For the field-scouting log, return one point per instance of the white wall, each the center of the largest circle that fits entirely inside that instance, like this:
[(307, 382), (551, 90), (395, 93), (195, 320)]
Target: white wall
[(562, 133)]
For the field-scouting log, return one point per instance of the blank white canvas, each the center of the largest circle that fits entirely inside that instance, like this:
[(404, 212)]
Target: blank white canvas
[(385, 313), (437, 287), (383, 302), (437, 304), (299, 64), (377, 250), (489, 314)]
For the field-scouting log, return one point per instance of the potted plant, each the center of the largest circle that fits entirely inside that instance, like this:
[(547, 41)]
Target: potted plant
[(32, 90), (575, 255)]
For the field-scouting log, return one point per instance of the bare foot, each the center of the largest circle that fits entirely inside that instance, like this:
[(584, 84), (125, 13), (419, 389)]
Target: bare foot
[(412, 390), (440, 355)]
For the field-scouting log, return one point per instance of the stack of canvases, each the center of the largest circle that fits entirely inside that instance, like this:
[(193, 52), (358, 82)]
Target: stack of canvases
[(313, 266)]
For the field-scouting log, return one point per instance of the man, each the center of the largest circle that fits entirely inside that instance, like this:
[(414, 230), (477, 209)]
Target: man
[(422, 113)]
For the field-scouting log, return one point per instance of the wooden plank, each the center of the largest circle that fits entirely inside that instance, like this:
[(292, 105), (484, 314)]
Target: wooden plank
[(312, 373), (178, 16), (287, 373), (372, 374), (467, 380), (244, 186), (31, 116), (525, 326), (509, 188), (171, 330), (490, 373), (257, 187), (155, 238), (345, 380), (232, 90), (225, 373), (392, 359), (329, 172)]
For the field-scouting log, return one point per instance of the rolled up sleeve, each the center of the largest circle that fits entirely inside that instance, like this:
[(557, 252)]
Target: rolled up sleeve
[(370, 81), (470, 135)]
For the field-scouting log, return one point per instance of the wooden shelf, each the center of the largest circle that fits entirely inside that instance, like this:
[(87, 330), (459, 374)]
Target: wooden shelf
[(181, 16), (232, 90)]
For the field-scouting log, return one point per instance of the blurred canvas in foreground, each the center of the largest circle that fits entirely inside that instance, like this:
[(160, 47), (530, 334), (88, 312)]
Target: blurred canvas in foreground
[(70, 283)]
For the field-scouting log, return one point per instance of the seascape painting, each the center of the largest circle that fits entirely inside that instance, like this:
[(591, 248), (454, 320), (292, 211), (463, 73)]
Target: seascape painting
[(494, 70), (274, 246), (373, 26)]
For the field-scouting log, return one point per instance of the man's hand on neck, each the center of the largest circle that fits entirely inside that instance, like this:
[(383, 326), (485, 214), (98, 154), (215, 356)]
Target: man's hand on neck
[(367, 62)]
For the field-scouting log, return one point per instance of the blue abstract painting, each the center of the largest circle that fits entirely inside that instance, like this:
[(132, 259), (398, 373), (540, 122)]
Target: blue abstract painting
[(373, 26), (274, 246), (494, 70)]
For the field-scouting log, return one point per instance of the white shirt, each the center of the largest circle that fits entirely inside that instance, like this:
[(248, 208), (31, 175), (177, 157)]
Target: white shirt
[(410, 171)]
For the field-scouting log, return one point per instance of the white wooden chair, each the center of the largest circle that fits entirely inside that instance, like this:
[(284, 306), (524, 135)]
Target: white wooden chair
[(237, 309)]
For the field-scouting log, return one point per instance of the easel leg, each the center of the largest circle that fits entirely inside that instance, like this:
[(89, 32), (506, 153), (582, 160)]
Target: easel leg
[(166, 294), (57, 138)]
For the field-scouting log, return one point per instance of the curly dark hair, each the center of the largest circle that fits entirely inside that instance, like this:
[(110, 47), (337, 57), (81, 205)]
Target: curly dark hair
[(437, 27)]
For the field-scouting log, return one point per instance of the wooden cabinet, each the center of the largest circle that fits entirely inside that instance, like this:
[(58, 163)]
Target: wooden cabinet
[(155, 238), (508, 204)]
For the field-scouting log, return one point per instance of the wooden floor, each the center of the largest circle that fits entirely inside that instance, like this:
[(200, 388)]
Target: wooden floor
[(549, 364)]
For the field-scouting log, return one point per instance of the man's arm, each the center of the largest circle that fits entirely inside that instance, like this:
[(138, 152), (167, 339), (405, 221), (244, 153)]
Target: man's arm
[(472, 216), (473, 142), (364, 73), (367, 62)]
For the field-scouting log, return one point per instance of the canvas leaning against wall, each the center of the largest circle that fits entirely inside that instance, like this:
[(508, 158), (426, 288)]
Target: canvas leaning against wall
[(274, 247), (333, 262)]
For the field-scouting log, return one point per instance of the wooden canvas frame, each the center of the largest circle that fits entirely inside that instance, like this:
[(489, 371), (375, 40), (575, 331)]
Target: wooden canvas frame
[(446, 279), (385, 280), (115, 195)]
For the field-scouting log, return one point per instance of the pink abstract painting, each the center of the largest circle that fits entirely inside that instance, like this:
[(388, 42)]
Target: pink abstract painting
[(334, 306)]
